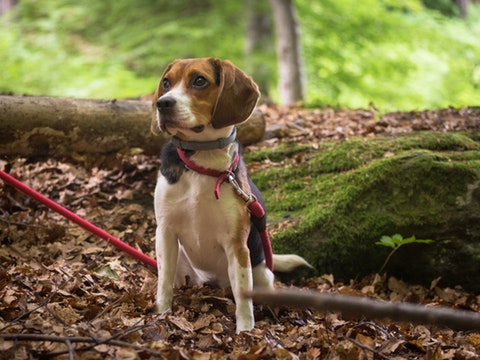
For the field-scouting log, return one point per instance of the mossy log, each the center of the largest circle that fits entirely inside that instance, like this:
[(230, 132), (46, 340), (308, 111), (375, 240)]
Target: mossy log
[(342, 197), (61, 127)]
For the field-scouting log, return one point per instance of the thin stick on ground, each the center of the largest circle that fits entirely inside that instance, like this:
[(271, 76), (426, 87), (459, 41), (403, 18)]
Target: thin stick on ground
[(74, 339), (369, 308)]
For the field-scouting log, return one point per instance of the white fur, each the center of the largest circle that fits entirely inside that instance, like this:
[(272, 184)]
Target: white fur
[(194, 241), (187, 119), (195, 232), (184, 114), (288, 262)]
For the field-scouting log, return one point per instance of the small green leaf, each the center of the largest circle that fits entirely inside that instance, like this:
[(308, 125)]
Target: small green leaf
[(386, 241), (424, 241), (413, 240), (395, 242), (397, 239)]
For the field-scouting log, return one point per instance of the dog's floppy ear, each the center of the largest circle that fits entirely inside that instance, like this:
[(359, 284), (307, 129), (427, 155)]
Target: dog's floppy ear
[(237, 96), (155, 125)]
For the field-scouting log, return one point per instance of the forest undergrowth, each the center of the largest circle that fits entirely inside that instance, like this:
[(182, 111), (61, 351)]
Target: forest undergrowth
[(65, 294)]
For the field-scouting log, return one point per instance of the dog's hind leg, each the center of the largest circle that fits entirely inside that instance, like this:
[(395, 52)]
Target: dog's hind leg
[(262, 276)]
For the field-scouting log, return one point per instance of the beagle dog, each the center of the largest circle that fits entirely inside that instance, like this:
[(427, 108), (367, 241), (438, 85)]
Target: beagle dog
[(205, 232)]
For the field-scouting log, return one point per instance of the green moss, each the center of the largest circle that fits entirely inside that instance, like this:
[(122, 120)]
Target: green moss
[(279, 153), (295, 187), (348, 194)]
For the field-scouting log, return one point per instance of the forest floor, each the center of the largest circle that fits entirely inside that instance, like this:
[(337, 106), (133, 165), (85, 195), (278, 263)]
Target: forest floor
[(66, 294)]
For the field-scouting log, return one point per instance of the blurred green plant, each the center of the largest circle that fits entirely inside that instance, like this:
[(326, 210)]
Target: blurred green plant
[(49, 63), (109, 48), (395, 242), (399, 55), (446, 7)]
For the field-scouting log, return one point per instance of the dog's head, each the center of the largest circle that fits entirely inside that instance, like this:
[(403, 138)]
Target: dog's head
[(197, 97)]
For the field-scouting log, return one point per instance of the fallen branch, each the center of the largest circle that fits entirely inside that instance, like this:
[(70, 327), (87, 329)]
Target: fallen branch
[(369, 308), (32, 126)]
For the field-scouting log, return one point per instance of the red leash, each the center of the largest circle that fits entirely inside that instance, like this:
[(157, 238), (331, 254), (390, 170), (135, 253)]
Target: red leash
[(77, 219)]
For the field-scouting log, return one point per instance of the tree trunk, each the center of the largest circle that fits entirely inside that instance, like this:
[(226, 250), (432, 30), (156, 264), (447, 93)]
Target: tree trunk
[(59, 127), (258, 43), (6, 5), (463, 5), (291, 79)]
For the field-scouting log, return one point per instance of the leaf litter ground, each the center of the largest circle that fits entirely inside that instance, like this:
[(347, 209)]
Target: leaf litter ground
[(66, 294)]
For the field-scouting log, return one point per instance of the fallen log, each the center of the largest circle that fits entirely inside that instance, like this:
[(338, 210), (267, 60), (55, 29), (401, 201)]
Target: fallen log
[(59, 127)]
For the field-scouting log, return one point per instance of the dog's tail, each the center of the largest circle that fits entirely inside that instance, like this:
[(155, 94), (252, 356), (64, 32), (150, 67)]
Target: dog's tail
[(288, 262)]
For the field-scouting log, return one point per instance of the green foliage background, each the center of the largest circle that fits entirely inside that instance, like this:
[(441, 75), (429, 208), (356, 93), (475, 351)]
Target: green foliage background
[(400, 55)]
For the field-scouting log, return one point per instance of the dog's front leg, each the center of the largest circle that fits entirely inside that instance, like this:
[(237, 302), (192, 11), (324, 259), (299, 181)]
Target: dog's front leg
[(240, 275), (166, 248)]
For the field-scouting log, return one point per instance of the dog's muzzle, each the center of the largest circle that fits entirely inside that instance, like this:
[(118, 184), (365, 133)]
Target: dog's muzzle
[(166, 104), (166, 111)]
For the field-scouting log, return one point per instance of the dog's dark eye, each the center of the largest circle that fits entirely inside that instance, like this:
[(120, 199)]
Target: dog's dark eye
[(165, 84), (200, 82)]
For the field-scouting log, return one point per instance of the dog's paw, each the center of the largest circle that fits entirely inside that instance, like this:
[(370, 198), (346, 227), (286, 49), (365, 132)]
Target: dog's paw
[(244, 316), (162, 308), (244, 326)]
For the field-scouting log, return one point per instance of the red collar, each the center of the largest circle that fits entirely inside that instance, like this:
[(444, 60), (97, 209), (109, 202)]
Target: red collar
[(221, 176)]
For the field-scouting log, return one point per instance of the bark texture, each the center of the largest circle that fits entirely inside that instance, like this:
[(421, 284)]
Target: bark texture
[(59, 127), (291, 79)]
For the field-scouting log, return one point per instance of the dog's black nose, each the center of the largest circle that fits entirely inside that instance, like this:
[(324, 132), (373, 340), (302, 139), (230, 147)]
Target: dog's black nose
[(166, 103)]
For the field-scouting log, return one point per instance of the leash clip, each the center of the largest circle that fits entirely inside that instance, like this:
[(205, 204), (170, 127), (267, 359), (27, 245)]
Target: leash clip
[(248, 198)]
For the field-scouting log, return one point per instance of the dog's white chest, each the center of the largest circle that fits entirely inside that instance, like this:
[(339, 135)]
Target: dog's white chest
[(203, 225)]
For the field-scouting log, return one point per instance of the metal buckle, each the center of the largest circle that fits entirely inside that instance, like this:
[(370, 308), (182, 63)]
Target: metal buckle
[(246, 197)]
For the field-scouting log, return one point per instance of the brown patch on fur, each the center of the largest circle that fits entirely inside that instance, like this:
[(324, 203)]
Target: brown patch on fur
[(155, 126), (229, 98), (238, 96), (241, 249), (242, 177), (240, 242), (185, 72)]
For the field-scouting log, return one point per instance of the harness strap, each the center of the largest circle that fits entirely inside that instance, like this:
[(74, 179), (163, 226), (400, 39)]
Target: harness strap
[(257, 212)]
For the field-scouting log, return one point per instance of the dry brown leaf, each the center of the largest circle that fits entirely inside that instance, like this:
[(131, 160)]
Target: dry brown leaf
[(48, 283), (181, 323)]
